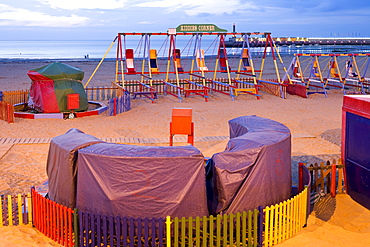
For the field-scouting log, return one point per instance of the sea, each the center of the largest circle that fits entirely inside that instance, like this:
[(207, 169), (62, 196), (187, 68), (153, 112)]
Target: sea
[(96, 49)]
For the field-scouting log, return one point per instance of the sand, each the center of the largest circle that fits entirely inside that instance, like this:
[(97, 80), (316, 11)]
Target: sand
[(315, 124)]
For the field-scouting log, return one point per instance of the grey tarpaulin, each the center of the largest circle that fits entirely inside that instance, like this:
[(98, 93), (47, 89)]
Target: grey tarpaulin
[(152, 181), (255, 168), (61, 165), (141, 181)]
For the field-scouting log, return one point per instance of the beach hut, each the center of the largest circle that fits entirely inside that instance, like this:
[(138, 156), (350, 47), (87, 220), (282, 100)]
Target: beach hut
[(51, 85)]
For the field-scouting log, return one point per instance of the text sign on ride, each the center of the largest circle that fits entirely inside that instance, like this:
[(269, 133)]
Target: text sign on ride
[(199, 28)]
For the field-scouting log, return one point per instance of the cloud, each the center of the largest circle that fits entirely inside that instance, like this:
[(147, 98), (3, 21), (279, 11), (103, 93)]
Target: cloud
[(84, 4), (145, 22), (10, 16), (196, 7)]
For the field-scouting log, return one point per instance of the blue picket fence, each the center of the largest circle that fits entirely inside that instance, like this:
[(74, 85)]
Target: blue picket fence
[(101, 93), (120, 104), (101, 230)]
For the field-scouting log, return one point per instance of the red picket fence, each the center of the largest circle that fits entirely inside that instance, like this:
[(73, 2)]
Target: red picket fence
[(53, 220), (6, 112)]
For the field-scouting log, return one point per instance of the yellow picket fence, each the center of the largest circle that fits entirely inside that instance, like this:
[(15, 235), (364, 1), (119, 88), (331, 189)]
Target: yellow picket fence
[(16, 210), (285, 219), (280, 222)]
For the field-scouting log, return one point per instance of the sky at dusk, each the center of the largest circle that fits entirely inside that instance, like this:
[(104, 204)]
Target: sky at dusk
[(103, 19)]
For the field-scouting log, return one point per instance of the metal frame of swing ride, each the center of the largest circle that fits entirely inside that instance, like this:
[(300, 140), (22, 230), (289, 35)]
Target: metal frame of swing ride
[(326, 71), (183, 83)]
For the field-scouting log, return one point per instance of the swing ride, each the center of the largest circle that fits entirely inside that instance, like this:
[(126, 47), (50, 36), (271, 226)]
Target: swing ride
[(317, 73), (192, 59)]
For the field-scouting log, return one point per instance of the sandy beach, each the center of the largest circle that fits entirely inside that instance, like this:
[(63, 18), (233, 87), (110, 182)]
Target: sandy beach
[(315, 124)]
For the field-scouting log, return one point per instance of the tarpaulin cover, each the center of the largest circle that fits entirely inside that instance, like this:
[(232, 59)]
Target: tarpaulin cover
[(55, 71), (52, 83), (64, 87), (61, 165), (43, 96), (141, 181), (255, 168)]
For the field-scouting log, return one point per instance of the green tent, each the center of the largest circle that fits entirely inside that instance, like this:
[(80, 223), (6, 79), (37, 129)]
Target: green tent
[(51, 85)]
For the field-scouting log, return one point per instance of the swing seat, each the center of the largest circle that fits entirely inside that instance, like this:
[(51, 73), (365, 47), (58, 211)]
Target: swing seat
[(177, 60), (245, 60), (153, 62), (200, 60), (251, 91), (223, 59), (130, 61)]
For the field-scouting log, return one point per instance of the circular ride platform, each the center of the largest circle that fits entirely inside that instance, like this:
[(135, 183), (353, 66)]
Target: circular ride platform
[(95, 108)]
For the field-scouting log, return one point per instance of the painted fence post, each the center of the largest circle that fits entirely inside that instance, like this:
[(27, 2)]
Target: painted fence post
[(333, 180), (260, 226), (92, 94), (10, 112), (307, 204), (20, 215), (102, 93), (114, 106), (168, 231), (300, 176), (1, 211), (75, 227), (10, 211), (205, 231)]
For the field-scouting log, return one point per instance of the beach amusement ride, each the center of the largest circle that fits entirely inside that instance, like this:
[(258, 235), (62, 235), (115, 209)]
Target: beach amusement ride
[(318, 73), (202, 59), (193, 59)]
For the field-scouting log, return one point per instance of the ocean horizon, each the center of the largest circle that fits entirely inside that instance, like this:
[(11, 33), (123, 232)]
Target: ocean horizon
[(95, 49)]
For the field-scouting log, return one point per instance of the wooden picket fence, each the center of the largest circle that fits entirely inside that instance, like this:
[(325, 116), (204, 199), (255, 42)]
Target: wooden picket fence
[(119, 104), (15, 210), (53, 219), (160, 87), (285, 219), (93, 94), (327, 177), (260, 227), (240, 229), (15, 97), (6, 112), (102, 93), (102, 230), (274, 87)]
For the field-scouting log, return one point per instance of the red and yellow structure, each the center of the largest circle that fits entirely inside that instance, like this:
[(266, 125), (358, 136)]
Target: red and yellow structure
[(184, 66)]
